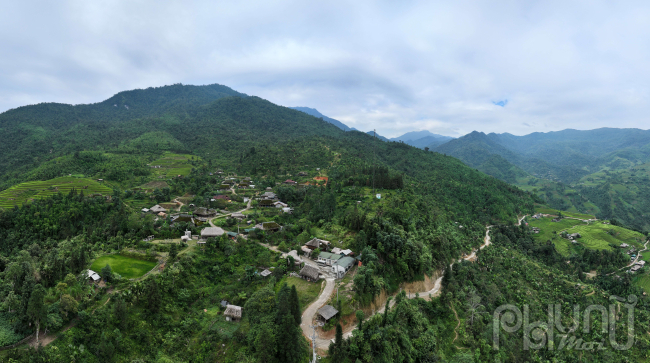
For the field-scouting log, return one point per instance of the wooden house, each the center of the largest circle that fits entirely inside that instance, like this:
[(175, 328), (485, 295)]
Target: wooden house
[(233, 313)]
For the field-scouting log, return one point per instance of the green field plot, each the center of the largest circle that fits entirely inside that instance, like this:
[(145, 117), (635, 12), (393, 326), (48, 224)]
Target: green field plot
[(307, 291), (172, 165), (547, 227), (127, 267), (25, 192), (597, 236), (546, 210), (645, 256)]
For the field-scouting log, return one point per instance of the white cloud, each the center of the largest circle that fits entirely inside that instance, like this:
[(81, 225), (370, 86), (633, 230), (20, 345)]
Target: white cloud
[(390, 66)]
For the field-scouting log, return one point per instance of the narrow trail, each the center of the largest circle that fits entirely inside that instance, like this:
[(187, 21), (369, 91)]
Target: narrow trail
[(456, 328)]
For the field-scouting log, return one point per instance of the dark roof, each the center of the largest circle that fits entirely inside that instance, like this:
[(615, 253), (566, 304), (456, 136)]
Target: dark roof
[(222, 196), (310, 271), (270, 225), (327, 312)]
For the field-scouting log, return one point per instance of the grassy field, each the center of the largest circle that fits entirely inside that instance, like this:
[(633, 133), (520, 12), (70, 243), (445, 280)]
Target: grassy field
[(643, 281), (172, 165), (307, 291), (645, 256), (25, 192), (127, 267)]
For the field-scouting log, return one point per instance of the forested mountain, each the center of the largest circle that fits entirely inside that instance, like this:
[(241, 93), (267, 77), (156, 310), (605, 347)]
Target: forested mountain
[(314, 112), (599, 171), (177, 118)]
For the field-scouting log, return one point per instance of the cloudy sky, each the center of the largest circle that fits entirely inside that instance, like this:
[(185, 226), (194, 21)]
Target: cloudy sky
[(448, 67)]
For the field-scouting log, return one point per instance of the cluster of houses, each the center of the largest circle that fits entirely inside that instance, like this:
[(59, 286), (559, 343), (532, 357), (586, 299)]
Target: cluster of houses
[(537, 216), (156, 209), (270, 200), (573, 237), (337, 261), (637, 266)]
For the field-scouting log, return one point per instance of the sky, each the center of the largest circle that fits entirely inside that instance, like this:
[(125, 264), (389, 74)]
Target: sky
[(448, 67)]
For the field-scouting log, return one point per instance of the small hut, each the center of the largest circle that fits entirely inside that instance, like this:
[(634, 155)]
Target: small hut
[(233, 313), (310, 273), (327, 312)]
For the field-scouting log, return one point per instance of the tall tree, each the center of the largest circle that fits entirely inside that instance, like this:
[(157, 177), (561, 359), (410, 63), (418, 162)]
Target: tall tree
[(289, 337), (295, 304), (36, 310), (336, 348)]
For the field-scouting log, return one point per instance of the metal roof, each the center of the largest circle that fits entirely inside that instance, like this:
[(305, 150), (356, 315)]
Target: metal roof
[(327, 312)]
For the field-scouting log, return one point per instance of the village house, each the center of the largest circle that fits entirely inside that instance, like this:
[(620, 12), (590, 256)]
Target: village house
[(157, 209), (266, 203), (144, 210), (327, 312), (287, 210), (238, 215), (221, 197), (328, 258), (205, 212), (535, 230), (310, 273), (211, 232), (269, 196), (305, 250), (624, 245), (265, 273), (318, 243), (342, 266), (280, 205), (233, 313), (93, 276), (290, 182)]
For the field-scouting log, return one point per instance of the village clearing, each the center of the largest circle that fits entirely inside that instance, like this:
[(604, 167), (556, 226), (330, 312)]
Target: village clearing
[(127, 267)]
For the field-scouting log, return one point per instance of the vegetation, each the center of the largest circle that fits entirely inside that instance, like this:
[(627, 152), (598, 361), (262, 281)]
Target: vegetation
[(126, 267), (431, 209)]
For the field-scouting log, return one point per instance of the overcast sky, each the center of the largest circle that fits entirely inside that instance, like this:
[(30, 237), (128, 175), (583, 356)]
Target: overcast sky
[(448, 67)]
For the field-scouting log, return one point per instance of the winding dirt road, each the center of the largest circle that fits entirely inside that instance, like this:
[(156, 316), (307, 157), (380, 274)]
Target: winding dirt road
[(308, 315)]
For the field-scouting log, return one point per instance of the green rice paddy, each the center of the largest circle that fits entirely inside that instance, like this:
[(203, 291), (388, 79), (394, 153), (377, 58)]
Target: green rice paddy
[(26, 192), (172, 165), (127, 267)]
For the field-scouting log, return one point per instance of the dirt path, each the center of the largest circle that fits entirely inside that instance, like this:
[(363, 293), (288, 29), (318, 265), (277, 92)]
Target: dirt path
[(456, 328), (310, 312), (181, 204), (636, 259)]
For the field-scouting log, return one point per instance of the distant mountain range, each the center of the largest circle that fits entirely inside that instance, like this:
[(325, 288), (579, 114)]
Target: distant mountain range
[(605, 172), (314, 112), (419, 139)]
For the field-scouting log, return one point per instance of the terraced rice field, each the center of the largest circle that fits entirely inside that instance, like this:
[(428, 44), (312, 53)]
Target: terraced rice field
[(547, 227), (595, 236), (26, 192), (172, 165)]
